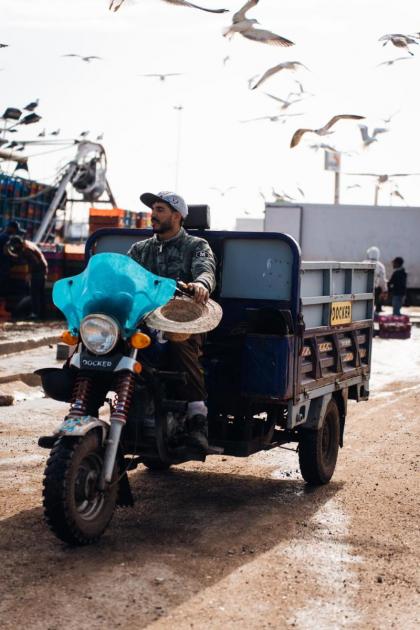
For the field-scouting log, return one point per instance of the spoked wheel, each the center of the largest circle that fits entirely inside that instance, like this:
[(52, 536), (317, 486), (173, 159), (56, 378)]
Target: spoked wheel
[(318, 450), (75, 509)]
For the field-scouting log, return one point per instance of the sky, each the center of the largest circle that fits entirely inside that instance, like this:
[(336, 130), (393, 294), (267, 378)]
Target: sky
[(153, 146)]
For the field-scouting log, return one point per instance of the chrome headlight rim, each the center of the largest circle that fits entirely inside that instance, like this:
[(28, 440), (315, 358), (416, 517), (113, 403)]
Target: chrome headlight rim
[(115, 330)]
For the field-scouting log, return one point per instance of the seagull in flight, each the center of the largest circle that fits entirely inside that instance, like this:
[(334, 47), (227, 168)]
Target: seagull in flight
[(367, 139), (398, 40), (4, 45), (84, 134), (162, 77), (55, 133), (391, 62), (88, 59), (322, 131), (245, 27), (116, 4), (100, 136), (285, 65), (275, 118), (222, 191), (41, 134), (285, 103)]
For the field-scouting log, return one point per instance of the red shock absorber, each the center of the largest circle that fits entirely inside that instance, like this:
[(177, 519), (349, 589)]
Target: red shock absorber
[(124, 388), (80, 396)]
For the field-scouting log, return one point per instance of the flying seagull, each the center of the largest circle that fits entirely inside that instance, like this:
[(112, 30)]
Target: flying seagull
[(4, 45), (116, 4), (286, 65), (392, 61), (162, 77), (245, 27), (100, 137), (367, 139), (399, 40), (301, 92), (84, 134), (285, 103), (88, 59), (275, 118), (32, 105), (322, 131), (323, 145), (222, 191), (41, 134), (55, 133)]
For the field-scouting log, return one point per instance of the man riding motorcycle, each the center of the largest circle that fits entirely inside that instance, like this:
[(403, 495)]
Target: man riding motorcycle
[(173, 253)]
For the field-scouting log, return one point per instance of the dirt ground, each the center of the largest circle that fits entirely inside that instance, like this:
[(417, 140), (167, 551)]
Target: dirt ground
[(236, 543)]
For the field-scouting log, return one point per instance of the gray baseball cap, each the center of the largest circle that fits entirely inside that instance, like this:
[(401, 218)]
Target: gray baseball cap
[(175, 201)]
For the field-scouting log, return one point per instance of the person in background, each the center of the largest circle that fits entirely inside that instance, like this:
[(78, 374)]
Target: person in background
[(38, 268), (12, 229), (380, 283), (397, 285)]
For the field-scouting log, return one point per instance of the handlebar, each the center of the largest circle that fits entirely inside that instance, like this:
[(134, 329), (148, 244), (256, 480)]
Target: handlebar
[(183, 289)]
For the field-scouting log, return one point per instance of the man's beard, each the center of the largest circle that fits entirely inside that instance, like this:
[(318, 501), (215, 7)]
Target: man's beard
[(161, 227)]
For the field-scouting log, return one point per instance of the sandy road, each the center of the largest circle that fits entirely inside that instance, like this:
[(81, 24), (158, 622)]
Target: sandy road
[(232, 543)]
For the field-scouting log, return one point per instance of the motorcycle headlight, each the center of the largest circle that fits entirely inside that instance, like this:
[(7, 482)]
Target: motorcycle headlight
[(99, 333)]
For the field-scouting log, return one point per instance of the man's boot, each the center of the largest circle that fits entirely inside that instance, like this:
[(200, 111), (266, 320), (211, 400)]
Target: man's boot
[(198, 432)]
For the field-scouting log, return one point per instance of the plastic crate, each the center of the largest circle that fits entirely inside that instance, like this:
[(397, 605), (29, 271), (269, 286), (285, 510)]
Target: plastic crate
[(394, 326)]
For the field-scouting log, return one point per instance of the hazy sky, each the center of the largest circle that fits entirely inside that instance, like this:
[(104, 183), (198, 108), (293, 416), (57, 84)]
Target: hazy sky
[(336, 39)]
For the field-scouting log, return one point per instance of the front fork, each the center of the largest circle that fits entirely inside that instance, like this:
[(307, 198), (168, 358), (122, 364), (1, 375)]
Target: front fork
[(124, 388)]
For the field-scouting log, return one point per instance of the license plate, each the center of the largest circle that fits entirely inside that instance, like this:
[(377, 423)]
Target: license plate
[(104, 364), (340, 313)]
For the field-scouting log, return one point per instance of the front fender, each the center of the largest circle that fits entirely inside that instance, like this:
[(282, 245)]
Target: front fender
[(78, 427)]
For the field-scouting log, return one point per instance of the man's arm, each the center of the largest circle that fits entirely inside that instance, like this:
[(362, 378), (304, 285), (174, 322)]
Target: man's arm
[(203, 266)]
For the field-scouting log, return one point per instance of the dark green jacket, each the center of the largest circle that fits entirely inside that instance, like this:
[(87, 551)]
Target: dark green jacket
[(183, 257)]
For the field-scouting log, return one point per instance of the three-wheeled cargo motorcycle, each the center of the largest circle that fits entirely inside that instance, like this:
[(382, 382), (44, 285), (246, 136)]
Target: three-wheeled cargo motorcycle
[(293, 346)]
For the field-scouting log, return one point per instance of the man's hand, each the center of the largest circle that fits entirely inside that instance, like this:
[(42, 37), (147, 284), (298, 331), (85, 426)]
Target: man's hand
[(201, 294)]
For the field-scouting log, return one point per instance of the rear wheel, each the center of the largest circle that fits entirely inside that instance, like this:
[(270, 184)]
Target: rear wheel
[(75, 509), (318, 449)]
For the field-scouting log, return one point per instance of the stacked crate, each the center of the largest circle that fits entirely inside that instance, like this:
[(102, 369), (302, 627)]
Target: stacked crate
[(24, 200), (117, 218)]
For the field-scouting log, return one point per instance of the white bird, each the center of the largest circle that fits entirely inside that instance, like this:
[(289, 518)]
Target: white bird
[(282, 196), (245, 27), (301, 92), (388, 119), (100, 136), (88, 59), (322, 145), (353, 186), (285, 103), (222, 191), (368, 139), (276, 118), (162, 76), (84, 134), (396, 193), (285, 65), (116, 4), (322, 131), (399, 40), (55, 133), (41, 134), (391, 62)]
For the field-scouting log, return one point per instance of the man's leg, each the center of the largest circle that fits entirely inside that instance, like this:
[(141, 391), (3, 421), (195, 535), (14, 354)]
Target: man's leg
[(378, 299), (185, 357), (396, 304)]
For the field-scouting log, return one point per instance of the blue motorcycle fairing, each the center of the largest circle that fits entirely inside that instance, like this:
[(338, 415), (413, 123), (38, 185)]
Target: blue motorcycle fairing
[(115, 285)]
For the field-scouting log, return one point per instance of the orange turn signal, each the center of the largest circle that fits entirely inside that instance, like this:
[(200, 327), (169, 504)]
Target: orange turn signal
[(139, 340), (137, 367), (68, 338)]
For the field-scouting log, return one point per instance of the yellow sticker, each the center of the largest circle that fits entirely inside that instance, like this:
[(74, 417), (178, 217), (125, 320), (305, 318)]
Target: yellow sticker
[(340, 313)]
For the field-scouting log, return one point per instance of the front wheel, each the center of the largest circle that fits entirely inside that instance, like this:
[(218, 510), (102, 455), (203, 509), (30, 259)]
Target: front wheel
[(76, 511), (318, 450)]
